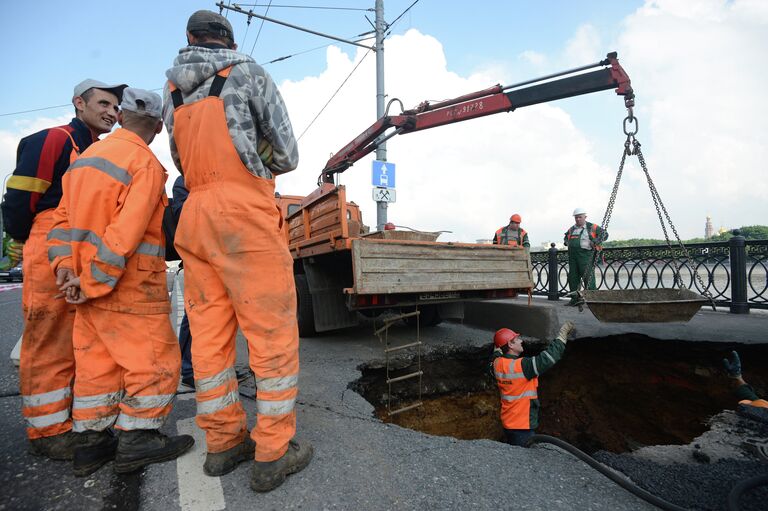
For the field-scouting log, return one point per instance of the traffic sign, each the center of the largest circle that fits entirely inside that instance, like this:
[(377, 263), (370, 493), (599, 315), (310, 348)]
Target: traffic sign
[(384, 194), (383, 174)]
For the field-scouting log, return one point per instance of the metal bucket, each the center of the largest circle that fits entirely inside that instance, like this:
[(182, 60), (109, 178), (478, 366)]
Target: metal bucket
[(644, 305)]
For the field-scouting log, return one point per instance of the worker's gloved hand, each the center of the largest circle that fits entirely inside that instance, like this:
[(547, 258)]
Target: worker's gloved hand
[(264, 149), (733, 365), (567, 328), (15, 249)]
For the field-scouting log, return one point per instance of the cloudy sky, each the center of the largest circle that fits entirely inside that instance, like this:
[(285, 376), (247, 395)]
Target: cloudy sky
[(696, 67)]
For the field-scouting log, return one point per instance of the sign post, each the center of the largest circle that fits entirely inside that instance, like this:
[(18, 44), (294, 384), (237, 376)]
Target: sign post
[(383, 180)]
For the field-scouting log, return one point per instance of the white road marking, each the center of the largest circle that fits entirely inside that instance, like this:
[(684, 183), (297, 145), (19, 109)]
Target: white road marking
[(197, 491)]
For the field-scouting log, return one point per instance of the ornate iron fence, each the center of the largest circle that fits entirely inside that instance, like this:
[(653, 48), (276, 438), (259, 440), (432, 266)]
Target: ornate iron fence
[(734, 272)]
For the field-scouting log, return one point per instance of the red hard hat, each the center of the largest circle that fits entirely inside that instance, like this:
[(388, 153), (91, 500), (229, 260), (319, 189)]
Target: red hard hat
[(515, 218), (503, 336)]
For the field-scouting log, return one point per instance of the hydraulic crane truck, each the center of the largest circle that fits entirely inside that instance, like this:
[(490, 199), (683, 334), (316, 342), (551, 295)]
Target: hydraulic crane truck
[(341, 269)]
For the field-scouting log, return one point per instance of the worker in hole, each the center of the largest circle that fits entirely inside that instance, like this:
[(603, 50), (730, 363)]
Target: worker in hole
[(518, 379), (750, 404), (512, 234)]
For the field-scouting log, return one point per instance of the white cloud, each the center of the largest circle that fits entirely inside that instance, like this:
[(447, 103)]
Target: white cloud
[(584, 47), (695, 69), (534, 57)]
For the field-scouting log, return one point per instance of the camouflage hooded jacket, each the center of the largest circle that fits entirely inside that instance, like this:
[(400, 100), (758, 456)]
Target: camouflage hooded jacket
[(253, 106)]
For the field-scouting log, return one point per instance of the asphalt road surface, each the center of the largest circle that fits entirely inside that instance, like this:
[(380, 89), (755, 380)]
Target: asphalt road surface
[(359, 463)]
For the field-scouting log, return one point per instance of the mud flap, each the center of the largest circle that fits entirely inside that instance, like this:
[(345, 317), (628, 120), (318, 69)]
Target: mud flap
[(327, 289)]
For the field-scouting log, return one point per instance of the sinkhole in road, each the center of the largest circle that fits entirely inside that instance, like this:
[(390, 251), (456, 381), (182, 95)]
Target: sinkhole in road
[(614, 393)]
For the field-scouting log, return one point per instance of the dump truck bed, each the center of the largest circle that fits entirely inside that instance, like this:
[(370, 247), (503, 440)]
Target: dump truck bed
[(382, 266)]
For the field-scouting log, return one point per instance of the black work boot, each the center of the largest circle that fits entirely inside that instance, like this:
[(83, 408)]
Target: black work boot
[(95, 449), (141, 447), (57, 447), (268, 475), (220, 463)]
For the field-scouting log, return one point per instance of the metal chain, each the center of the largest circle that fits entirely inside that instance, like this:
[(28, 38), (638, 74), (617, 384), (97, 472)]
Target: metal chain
[(659, 208), (607, 216), (632, 146)]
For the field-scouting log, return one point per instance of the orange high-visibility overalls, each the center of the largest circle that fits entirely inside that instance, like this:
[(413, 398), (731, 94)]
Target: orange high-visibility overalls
[(237, 271), (108, 231), (47, 362)]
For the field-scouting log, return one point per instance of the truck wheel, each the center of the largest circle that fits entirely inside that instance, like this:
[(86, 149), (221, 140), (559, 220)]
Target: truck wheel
[(430, 316), (304, 312)]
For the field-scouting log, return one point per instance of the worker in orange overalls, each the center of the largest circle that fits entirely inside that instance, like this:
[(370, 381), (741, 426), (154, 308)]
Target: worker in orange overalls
[(47, 363), (107, 245), (230, 135), (518, 380), (512, 234)]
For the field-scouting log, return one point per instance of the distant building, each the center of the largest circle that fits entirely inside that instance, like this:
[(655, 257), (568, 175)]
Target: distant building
[(709, 231), (484, 241)]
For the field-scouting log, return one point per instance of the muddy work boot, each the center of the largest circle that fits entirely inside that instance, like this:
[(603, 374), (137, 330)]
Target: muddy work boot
[(95, 449), (141, 447), (268, 475), (220, 463), (57, 447)]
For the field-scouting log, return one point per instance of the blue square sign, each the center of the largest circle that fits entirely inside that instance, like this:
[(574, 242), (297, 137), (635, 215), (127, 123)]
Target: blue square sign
[(383, 174)]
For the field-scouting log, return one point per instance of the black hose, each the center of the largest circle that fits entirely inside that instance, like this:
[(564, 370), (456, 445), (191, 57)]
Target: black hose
[(741, 487), (608, 472)]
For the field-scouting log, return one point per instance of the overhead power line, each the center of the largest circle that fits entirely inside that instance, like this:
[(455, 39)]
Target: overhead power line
[(260, 27), (251, 14), (310, 7), (402, 13), (227, 8), (49, 107), (35, 110), (333, 96)]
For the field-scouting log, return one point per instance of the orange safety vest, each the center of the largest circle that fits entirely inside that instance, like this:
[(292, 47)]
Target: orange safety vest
[(592, 235), (517, 392), (501, 235), (115, 245)]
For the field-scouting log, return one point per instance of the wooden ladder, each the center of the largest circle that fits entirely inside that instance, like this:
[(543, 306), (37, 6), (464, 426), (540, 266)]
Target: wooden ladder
[(383, 335)]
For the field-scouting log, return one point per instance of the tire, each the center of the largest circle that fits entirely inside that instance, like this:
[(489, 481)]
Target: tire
[(430, 316), (305, 314)]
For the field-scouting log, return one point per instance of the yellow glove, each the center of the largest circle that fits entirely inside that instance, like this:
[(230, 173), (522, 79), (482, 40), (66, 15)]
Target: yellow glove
[(12, 251), (265, 151), (15, 250)]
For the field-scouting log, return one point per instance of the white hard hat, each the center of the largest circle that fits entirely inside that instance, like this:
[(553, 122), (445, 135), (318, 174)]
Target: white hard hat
[(579, 211)]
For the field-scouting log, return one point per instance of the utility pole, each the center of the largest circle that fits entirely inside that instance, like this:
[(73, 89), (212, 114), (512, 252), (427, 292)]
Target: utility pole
[(381, 150)]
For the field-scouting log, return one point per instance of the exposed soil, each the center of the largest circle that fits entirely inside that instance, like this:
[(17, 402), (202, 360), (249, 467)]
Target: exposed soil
[(616, 393)]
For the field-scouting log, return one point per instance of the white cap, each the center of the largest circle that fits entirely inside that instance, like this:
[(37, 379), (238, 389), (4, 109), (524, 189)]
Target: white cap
[(142, 102), (579, 211), (90, 83)]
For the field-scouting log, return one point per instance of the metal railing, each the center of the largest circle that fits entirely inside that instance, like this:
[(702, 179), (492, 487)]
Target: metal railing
[(734, 272)]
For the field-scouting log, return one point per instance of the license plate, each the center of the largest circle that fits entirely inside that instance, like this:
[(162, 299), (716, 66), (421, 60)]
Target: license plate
[(445, 295)]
